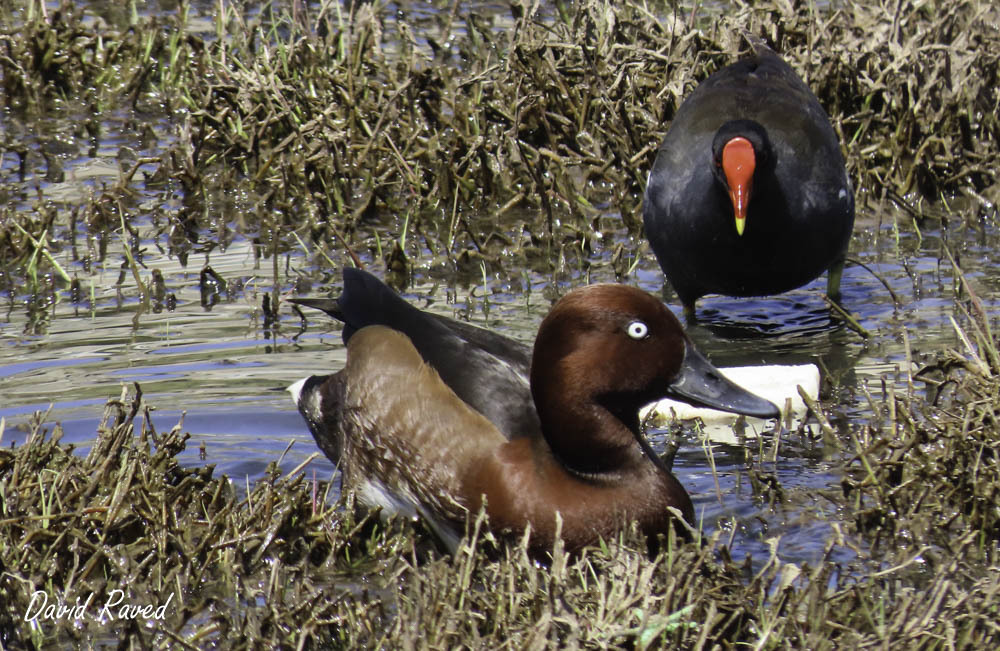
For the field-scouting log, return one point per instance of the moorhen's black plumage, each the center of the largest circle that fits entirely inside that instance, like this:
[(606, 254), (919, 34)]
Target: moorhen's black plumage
[(749, 195)]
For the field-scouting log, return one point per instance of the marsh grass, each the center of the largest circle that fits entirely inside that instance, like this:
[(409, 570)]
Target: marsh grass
[(330, 119), (277, 566), (336, 115)]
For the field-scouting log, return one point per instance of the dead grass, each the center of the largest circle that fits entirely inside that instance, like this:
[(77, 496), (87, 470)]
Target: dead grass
[(333, 119), (279, 568)]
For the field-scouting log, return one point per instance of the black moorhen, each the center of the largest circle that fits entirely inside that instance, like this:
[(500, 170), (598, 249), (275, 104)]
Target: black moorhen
[(749, 195)]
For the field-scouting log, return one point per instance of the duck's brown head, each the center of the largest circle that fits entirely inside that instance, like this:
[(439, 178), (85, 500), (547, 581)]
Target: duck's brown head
[(602, 353)]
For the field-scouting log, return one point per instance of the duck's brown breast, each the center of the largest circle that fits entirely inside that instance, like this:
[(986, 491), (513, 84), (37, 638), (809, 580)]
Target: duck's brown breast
[(525, 485)]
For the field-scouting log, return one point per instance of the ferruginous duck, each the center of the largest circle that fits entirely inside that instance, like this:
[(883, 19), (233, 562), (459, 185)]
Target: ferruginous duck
[(435, 418)]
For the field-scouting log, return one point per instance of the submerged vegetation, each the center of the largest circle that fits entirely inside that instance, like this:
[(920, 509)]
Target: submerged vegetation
[(310, 127)]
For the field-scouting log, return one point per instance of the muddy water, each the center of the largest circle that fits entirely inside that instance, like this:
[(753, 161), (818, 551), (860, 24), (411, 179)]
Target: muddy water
[(208, 356)]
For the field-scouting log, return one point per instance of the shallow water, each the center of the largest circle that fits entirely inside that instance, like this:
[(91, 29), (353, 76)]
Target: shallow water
[(214, 359), (226, 372)]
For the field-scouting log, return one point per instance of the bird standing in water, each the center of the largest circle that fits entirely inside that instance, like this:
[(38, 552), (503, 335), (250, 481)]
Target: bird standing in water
[(749, 194)]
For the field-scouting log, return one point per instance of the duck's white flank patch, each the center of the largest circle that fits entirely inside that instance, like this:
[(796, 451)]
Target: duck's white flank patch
[(373, 493)]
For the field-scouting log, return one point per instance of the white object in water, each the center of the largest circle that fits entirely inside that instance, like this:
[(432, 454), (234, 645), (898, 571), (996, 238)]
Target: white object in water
[(775, 383)]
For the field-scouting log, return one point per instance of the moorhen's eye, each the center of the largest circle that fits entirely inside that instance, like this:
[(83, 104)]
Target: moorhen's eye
[(637, 330)]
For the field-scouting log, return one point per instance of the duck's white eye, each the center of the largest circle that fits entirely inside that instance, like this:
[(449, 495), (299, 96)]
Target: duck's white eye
[(637, 330)]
